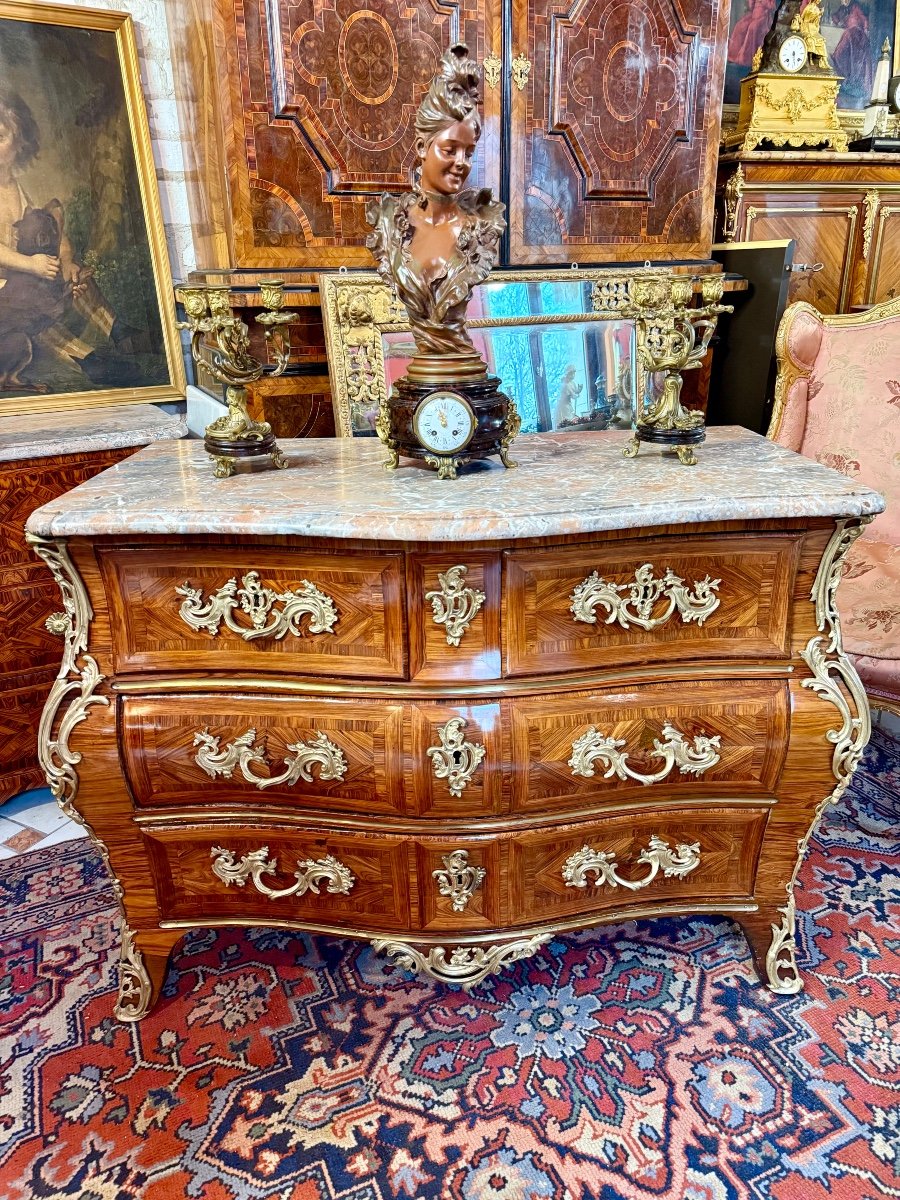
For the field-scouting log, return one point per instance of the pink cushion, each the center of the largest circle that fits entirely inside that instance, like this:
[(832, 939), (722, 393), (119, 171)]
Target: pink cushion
[(853, 409), (868, 600)]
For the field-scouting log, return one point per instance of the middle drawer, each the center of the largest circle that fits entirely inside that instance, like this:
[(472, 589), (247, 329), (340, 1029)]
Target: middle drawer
[(377, 758)]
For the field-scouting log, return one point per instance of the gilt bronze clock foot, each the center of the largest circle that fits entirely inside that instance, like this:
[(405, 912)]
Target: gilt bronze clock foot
[(631, 450)]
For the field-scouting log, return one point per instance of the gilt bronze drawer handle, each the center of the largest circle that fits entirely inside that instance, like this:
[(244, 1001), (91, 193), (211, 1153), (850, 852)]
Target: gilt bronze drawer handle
[(691, 758), (258, 603), (309, 874), (455, 759), (458, 879), (637, 606), (242, 752), (658, 856), (454, 604)]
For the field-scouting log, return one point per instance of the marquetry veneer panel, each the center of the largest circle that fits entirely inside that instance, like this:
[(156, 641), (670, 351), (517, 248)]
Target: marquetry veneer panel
[(542, 634), (367, 638), (749, 717), (188, 888), (728, 841)]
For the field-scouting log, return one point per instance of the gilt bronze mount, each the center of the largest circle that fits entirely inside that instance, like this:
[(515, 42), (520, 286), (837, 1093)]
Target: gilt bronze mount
[(236, 435), (673, 335)]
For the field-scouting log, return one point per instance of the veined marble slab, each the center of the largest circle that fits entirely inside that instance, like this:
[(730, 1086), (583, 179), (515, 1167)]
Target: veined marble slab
[(565, 483), (73, 431)]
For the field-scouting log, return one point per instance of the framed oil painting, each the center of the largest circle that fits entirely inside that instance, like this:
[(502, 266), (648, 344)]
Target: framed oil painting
[(86, 315), (554, 337), (854, 32)]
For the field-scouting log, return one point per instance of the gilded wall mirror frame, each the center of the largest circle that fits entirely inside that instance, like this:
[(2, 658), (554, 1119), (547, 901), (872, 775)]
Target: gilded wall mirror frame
[(362, 318)]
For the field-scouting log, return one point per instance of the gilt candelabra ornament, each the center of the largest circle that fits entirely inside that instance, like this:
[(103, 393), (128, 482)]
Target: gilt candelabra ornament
[(433, 245), (236, 435), (673, 336)]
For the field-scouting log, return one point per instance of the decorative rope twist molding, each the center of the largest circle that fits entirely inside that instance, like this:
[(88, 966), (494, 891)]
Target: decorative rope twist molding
[(258, 603), (455, 760), (309, 874), (467, 966), (454, 604), (458, 879), (658, 856), (242, 752), (642, 596), (691, 758)]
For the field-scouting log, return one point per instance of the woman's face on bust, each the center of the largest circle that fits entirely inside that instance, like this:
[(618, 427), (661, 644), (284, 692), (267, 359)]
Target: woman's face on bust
[(447, 159)]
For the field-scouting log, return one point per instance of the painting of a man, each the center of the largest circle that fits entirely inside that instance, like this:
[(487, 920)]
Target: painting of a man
[(79, 310), (853, 55)]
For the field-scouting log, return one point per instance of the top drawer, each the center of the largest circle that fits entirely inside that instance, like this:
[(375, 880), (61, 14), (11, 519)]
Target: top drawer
[(631, 602), (256, 608)]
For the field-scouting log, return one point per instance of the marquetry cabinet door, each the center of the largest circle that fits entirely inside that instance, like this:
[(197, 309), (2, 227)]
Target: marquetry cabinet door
[(615, 129), (322, 99), (826, 227), (882, 250)]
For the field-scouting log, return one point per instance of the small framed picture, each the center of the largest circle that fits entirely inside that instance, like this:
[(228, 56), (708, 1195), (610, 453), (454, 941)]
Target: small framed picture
[(86, 312)]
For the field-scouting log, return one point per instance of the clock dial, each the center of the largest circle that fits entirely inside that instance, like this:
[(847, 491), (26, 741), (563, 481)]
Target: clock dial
[(444, 422), (792, 54)]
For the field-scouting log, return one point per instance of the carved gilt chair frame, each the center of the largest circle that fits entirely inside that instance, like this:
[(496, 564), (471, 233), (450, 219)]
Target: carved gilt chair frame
[(358, 308)]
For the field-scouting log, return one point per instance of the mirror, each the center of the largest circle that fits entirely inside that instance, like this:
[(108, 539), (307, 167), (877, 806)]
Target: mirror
[(554, 337)]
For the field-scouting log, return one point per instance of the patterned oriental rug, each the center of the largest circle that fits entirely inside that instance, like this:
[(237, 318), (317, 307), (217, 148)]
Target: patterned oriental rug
[(636, 1062)]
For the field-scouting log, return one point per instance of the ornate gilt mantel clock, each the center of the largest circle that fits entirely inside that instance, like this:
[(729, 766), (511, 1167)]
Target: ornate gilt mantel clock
[(790, 96), (433, 246)]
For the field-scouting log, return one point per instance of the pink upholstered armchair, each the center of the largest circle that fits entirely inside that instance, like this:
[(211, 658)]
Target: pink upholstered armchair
[(837, 400)]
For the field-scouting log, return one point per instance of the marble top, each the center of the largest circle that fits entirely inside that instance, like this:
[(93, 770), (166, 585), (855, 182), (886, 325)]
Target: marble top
[(565, 483), (74, 431)]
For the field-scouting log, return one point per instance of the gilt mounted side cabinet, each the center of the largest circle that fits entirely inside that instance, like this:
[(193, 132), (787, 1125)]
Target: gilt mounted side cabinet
[(601, 122), (331, 702)]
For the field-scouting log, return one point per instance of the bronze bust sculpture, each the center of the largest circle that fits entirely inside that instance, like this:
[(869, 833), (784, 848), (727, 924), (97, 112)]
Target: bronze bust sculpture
[(433, 245)]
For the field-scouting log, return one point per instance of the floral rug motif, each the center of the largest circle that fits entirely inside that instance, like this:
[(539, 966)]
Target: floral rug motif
[(640, 1061)]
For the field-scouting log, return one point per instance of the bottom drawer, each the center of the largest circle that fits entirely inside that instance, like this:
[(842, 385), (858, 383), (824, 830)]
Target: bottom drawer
[(240, 871), (689, 856), (673, 856)]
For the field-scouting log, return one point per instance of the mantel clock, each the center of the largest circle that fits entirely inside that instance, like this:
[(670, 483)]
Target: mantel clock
[(790, 96)]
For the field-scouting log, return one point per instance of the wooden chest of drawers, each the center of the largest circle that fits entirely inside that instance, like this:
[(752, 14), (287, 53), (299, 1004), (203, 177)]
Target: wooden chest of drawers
[(451, 746)]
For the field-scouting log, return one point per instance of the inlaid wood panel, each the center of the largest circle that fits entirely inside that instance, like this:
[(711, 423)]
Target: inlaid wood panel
[(435, 797), (825, 228), (750, 718), (615, 135), (28, 595), (728, 843), (884, 253), (160, 754), (148, 632), (323, 96), (432, 656), (29, 654), (188, 889), (541, 633), (23, 700)]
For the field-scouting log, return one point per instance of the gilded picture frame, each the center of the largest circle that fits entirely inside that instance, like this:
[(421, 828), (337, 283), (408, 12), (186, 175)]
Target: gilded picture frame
[(362, 318), (86, 312)]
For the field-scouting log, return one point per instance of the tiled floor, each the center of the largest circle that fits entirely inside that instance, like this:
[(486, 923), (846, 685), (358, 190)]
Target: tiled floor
[(33, 820)]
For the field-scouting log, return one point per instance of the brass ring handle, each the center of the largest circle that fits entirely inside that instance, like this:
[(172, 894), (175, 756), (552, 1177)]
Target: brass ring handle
[(309, 874), (259, 603), (691, 758), (633, 603), (242, 752), (658, 856)]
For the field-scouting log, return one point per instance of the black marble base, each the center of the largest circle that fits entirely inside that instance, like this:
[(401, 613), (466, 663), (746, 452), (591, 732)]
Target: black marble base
[(490, 406), (671, 437)]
